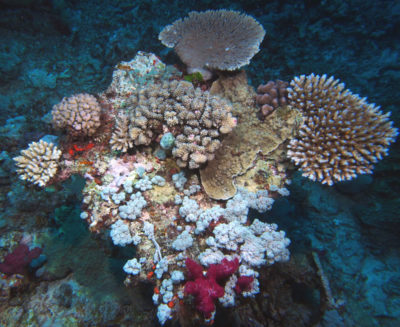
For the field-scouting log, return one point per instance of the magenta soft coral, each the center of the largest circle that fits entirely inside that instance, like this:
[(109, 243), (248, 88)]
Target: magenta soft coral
[(205, 288), (243, 284), (17, 261)]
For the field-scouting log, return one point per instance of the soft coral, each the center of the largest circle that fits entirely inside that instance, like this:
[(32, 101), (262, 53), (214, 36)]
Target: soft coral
[(17, 261), (205, 288)]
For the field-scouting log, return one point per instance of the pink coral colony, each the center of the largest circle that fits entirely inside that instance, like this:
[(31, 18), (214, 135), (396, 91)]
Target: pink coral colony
[(206, 288)]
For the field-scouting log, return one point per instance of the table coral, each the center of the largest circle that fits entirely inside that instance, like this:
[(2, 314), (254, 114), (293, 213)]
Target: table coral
[(214, 39)]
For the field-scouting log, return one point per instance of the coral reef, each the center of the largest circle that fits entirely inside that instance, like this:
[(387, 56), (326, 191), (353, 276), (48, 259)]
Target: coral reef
[(271, 96), (214, 39), (38, 163), (78, 114), (159, 206), (342, 135), (195, 118), (50, 49)]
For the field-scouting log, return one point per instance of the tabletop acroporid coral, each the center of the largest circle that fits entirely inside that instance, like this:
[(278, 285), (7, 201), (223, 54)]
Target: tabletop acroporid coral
[(342, 135), (38, 163), (195, 118), (78, 114), (214, 39)]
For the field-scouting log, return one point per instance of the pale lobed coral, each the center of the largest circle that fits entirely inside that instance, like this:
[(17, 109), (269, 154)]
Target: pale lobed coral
[(132, 267), (197, 120), (214, 39), (78, 114), (38, 163), (342, 135), (121, 234)]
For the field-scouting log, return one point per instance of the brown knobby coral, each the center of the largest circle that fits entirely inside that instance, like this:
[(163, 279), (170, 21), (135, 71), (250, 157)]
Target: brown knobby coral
[(78, 114), (214, 39), (342, 135), (38, 163), (196, 119), (271, 96)]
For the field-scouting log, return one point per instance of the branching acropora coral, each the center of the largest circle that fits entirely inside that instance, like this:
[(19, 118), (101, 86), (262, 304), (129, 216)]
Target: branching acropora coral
[(38, 163), (78, 114), (342, 135)]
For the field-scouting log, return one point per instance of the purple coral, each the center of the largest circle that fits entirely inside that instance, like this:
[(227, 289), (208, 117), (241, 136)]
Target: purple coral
[(17, 261), (271, 96)]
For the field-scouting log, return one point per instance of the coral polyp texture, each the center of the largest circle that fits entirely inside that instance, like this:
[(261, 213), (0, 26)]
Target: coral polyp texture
[(342, 135), (271, 96), (38, 163), (78, 114), (195, 118), (214, 39)]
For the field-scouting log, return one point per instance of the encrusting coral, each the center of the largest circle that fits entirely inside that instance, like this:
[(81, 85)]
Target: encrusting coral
[(195, 118), (78, 114), (214, 39), (38, 163), (342, 135), (252, 146)]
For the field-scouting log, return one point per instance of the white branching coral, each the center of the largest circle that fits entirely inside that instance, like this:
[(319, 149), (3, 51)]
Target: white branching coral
[(214, 39), (342, 135), (38, 163), (195, 118), (78, 114)]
